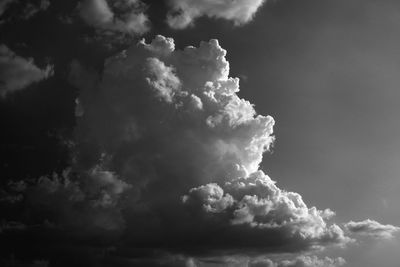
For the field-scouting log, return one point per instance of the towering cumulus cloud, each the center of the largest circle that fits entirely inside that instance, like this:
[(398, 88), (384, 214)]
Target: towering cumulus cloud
[(184, 12), (172, 126), (166, 157)]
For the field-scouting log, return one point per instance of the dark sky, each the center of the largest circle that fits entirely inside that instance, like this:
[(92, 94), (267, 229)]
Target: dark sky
[(326, 71)]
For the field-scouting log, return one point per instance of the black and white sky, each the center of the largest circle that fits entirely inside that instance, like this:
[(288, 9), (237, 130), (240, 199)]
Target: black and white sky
[(200, 133)]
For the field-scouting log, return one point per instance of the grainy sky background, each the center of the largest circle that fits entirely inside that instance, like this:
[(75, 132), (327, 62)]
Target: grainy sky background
[(326, 71)]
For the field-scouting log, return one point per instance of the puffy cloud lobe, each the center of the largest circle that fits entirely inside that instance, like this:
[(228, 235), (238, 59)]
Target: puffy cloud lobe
[(211, 197), (17, 72), (162, 79), (184, 12), (257, 202), (124, 16), (372, 228)]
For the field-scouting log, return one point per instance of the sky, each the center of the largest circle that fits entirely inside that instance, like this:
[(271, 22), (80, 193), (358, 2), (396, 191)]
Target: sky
[(200, 133)]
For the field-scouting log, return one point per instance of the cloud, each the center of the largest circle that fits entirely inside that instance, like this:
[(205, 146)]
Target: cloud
[(172, 126), (4, 4), (240, 261), (23, 10), (31, 10), (124, 16), (301, 261), (184, 12), (166, 156), (256, 204), (17, 72), (372, 228)]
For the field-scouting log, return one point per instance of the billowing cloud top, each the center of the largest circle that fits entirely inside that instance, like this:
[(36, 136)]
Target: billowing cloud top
[(184, 12)]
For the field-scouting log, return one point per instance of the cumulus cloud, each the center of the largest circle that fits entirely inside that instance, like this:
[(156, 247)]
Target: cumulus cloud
[(17, 72), (184, 12), (256, 203), (372, 228), (173, 128), (124, 16), (166, 155)]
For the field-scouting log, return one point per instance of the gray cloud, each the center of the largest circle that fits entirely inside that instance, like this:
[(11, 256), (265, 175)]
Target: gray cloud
[(372, 228), (31, 10), (183, 13), (26, 9), (4, 4), (124, 16), (17, 72), (257, 203), (164, 143)]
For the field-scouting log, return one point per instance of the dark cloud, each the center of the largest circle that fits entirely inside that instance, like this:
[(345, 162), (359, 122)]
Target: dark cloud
[(4, 4), (31, 10), (372, 228), (23, 10)]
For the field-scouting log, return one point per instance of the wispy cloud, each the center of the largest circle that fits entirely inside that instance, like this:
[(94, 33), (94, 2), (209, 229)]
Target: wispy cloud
[(183, 13), (372, 228), (18, 72)]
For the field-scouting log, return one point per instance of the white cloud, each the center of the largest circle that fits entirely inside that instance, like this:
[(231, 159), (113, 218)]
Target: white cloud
[(17, 72), (162, 79), (256, 202), (372, 228), (125, 16), (184, 12)]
